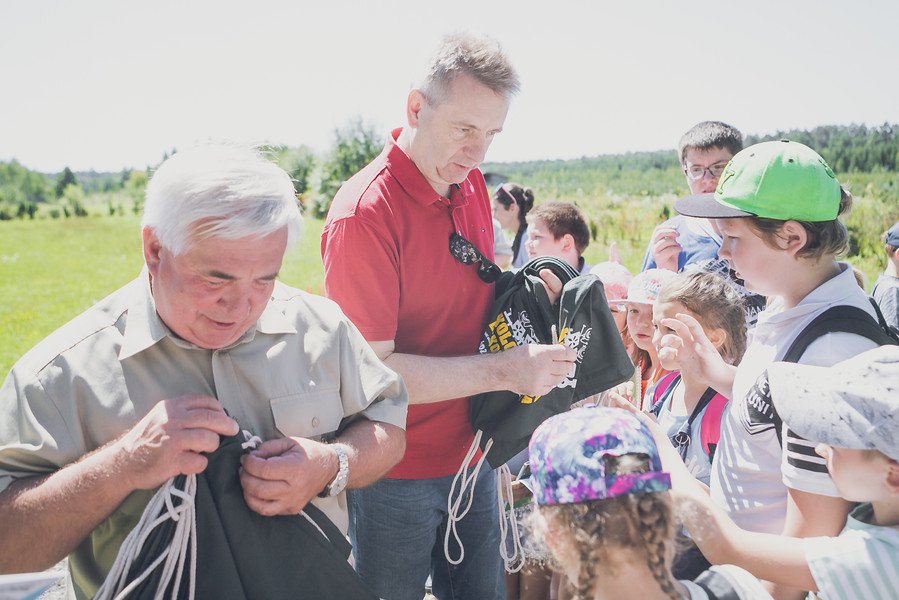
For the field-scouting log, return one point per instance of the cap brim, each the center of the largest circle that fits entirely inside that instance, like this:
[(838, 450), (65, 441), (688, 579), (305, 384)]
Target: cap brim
[(707, 206), (807, 400)]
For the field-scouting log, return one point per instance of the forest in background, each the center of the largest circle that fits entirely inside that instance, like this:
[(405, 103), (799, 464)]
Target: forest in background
[(623, 195)]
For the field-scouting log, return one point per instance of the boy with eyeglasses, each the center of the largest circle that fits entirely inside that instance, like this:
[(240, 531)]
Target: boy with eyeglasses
[(704, 151)]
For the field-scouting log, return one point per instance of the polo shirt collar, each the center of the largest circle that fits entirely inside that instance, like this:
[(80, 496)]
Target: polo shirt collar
[(414, 183), (144, 328)]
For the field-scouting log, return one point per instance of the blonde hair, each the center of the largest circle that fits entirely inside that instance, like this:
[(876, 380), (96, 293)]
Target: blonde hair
[(594, 531), (717, 304)]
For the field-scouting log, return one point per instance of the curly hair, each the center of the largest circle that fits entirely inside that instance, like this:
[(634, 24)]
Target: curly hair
[(594, 531)]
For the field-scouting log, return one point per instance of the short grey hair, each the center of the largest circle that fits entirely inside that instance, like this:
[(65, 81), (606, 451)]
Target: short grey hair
[(219, 190), (477, 56)]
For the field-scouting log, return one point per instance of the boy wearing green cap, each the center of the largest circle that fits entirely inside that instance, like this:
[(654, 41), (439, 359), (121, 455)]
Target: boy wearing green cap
[(776, 205)]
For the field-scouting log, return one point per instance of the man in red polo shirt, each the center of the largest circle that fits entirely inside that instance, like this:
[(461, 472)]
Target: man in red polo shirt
[(388, 264)]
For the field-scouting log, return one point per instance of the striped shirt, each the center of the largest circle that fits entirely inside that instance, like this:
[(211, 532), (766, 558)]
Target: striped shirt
[(861, 562)]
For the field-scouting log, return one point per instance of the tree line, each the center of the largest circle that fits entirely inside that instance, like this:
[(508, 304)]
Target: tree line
[(847, 148)]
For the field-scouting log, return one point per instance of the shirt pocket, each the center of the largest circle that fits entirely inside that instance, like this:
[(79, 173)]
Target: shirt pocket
[(308, 415)]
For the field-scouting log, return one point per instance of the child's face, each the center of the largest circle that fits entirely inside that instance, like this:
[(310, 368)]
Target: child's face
[(763, 268), (858, 474), (667, 310), (541, 241), (639, 325)]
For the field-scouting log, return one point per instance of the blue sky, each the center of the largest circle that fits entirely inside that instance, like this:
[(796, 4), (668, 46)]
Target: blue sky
[(107, 84)]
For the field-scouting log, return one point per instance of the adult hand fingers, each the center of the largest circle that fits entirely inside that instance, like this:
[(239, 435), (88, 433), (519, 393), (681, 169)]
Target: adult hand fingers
[(263, 489), (212, 420), (275, 447), (273, 468)]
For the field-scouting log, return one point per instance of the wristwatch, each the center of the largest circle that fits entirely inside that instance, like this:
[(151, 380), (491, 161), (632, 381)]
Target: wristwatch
[(338, 484)]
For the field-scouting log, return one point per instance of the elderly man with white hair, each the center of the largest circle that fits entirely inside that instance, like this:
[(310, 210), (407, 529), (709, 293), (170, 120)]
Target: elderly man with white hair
[(134, 390)]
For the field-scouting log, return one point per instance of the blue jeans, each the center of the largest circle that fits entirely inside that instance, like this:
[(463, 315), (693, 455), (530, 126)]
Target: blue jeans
[(397, 527)]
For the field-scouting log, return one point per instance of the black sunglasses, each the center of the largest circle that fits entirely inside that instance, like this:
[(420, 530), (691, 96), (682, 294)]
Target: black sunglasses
[(466, 253)]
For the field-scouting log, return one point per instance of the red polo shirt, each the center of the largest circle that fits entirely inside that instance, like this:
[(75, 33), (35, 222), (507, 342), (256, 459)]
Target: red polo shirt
[(385, 246)]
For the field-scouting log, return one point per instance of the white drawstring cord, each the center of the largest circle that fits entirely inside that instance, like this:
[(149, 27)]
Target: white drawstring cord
[(515, 561), (452, 507), (160, 509)]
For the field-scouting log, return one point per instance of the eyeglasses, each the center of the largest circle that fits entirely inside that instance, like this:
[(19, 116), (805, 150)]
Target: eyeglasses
[(466, 253), (696, 172)]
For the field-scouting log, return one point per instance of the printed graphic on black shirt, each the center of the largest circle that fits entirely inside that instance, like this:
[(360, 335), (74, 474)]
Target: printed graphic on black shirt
[(757, 412)]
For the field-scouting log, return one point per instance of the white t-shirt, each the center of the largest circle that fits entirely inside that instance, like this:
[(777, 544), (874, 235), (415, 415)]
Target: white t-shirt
[(751, 471), (861, 562)]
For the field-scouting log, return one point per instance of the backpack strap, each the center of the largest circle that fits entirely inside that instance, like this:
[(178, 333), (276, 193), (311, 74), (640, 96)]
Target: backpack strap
[(842, 319), (836, 319), (661, 389), (888, 329), (710, 425)]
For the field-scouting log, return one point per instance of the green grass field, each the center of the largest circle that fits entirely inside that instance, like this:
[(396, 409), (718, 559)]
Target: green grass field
[(51, 270)]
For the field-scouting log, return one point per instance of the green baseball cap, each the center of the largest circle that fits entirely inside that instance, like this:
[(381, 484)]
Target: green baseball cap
[(783, 180)]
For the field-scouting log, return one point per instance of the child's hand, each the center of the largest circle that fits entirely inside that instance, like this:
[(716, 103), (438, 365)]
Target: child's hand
[(693, 354), (664, 248)]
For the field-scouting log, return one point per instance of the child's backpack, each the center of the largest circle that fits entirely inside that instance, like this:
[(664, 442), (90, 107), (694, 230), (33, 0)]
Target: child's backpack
[(838, 319), (709, 426)]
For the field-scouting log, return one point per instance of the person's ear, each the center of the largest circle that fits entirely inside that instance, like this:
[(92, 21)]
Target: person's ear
[(414, 103), (793, 237), (152, 248), (892, 477), (717, 337), (567, 242)]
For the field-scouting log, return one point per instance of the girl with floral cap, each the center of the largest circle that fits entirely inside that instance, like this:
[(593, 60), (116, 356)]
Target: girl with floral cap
[(602, 499)]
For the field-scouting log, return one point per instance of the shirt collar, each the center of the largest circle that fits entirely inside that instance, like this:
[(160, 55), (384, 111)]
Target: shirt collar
[(414, 182), (144, 327)]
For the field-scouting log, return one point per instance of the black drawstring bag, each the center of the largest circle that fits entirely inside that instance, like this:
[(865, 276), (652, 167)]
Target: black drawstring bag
[(522, 314), (240, 554)]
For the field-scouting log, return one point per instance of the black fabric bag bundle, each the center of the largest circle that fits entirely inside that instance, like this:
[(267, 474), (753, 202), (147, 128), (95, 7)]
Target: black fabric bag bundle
[(522, 314), (242, 555)]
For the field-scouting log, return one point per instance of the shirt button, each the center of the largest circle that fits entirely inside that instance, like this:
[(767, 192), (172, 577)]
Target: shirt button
[(315, 421)]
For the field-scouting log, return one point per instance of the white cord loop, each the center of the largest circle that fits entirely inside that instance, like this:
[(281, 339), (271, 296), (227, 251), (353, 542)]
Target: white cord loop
[(160, 509), (515, 561), (453, 507)]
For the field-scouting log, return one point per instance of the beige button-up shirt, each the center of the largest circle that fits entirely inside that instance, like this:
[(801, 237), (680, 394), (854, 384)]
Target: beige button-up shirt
[(300, 372)]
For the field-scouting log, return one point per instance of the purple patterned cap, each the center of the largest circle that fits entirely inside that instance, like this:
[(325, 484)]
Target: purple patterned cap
[(567, 452)]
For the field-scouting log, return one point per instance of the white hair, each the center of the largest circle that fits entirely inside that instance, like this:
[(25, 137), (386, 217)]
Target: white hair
[(219, 190)]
